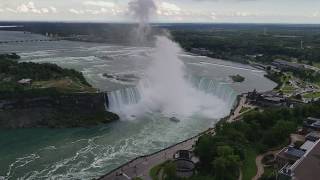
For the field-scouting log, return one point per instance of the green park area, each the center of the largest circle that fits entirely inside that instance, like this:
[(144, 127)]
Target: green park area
[(316, 64), (18, 77), (249, 168), (312, 95), (287, 88), (244, 109)]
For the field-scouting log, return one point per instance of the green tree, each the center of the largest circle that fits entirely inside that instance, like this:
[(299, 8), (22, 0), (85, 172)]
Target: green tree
[(170, 171), (205, 150), (279, 133), (226, 161)]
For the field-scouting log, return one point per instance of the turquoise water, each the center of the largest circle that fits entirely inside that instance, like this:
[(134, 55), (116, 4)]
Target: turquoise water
[(82, 153)]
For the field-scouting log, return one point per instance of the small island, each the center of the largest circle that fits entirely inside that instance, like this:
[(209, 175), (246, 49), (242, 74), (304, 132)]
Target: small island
[(237, 78), (46, 95)]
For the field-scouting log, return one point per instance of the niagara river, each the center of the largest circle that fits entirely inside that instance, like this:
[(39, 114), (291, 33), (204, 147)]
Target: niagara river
[(198, 96)]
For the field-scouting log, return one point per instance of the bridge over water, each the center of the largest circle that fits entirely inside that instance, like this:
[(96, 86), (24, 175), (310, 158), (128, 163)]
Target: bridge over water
[(29, 40)]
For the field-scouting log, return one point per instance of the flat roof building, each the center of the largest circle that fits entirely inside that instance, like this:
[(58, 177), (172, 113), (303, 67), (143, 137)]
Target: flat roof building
[(25, 81), (313, 136), (286, 65), (306, 168), (312, 123)]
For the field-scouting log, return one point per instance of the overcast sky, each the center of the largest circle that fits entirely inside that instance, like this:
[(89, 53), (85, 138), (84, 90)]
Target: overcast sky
[(234, 11)]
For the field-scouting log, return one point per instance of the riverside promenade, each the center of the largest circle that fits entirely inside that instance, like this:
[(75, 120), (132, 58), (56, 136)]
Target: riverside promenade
[(236, 113), (141, 166)]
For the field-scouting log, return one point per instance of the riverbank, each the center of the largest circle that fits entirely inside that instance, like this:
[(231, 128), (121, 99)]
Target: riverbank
[(55, 111), (140, 166), (45, 95)]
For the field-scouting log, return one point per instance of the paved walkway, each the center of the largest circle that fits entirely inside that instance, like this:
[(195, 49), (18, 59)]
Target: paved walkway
[(237, 112), (240, 175), (141, 166), (260, 165)]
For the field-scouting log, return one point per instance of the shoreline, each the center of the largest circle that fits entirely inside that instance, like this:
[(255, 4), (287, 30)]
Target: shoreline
[(210, 130)]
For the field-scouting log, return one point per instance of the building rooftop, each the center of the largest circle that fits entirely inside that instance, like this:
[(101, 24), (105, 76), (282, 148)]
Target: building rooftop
[(183, 154), (289, 64), (316, 124), (313, 119), (308, 167), (24, 81), (313, 136), (274, 99), (291, 153), (308, 145), (295, 152)]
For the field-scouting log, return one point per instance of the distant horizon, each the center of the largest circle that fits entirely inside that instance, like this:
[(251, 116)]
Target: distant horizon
[(152, 23), (167, 11)]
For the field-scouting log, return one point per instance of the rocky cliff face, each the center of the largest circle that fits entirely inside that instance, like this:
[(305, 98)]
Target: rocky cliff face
[(55, 111)]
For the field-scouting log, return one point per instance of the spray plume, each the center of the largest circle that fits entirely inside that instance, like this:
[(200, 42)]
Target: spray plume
[(164, 88), (142, 10)]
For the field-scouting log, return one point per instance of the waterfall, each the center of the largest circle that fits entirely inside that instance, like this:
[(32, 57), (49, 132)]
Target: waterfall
[(219, 89), (120, 99)]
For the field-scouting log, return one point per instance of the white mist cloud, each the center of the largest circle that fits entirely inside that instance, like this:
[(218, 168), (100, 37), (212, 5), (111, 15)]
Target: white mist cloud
[(168, 9), (30, 7), (99, 4), (53, 9), (11, 10), (316, 14), (96, 8), (173, 12), (243, 14), (306, 11), (99, 11), (74, 11), (45, 10), (169, 6)]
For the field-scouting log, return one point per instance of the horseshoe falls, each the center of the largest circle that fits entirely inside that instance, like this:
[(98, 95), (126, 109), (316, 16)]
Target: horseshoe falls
[(120, 100)]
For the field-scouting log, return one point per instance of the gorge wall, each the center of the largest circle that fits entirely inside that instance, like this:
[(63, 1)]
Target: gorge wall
[(55, 111)]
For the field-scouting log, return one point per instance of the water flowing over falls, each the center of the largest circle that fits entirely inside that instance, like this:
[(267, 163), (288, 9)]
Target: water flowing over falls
[(165, 88), (121, 100)]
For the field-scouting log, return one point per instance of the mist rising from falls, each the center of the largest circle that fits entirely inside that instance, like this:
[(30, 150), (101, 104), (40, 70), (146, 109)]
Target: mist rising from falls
[(142, 10), (164, 87)]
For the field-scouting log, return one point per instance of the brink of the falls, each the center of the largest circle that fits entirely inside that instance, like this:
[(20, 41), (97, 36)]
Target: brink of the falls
[(166, 88)]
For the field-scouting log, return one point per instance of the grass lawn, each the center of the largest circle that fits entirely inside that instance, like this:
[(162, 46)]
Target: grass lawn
[(269, 172), (316, 65), (65, 85), (249, 168), (287, 88), (312, 95), (244, 109), (137, 178)]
